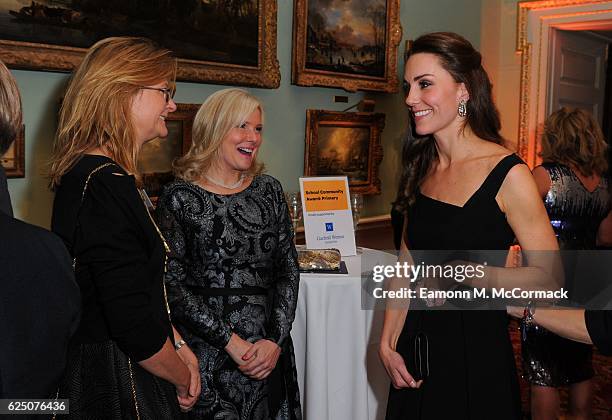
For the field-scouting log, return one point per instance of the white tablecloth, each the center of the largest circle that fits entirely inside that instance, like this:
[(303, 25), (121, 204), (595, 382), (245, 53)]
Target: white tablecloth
[(336, 346)]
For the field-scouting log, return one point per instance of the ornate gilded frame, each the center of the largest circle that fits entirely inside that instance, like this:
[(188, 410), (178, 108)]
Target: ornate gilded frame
[(13, 161), (184, 116), (375, 122), (35, 56), (300, 75), (529, 115)]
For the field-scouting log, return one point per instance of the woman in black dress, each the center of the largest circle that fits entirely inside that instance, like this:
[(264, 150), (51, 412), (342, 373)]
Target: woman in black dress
[(574, 184), (232, 276), (462, 191), (124, 361)]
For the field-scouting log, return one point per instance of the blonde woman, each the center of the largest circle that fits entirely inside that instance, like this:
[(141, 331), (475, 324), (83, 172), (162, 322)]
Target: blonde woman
[(232, 276), (126, 360), (574, 184)]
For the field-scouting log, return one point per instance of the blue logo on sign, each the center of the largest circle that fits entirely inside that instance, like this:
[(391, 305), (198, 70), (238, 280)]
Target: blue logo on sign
[(329, 227)]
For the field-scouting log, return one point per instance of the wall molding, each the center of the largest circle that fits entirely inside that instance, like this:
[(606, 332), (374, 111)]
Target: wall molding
[(535, 21)]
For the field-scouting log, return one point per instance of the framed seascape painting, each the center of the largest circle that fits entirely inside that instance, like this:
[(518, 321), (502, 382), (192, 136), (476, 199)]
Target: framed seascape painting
[(349, 44), (156, 156), (345, 143), (13, 160), (216, 41)]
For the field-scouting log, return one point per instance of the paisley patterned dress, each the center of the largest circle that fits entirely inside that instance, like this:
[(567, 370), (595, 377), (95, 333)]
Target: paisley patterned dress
[(233, 269)]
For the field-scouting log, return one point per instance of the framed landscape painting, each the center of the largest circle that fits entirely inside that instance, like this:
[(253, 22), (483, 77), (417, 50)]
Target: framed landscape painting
[(349, 44), (156, 157), (345, 143), (13, 161), (216, 41)]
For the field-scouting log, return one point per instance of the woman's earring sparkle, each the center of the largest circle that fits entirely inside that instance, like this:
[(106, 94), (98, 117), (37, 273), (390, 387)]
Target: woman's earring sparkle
[(462, 108)]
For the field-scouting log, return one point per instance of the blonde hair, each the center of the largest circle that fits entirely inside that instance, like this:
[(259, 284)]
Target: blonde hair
[(572, 137), (96, 111), (222, 111), (10, 109)]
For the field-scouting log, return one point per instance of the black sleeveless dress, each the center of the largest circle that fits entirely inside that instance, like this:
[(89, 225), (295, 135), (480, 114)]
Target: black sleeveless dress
[(472, 374)]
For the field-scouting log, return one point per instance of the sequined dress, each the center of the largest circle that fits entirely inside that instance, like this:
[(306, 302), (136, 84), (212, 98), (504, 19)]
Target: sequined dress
[(233, 269), (575, 214)]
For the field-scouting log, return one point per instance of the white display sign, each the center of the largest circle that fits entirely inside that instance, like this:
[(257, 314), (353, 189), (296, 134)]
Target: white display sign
[(328, 220)]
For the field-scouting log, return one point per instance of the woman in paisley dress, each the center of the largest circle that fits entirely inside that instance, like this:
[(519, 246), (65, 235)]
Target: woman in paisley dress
[(232, 277), (574, 184)]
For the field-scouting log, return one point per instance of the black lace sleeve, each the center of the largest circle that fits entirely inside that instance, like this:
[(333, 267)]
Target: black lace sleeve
[(287, 274), (186, 308)]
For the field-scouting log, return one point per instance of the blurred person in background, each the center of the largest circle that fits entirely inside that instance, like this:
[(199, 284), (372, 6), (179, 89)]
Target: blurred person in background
[(583, 326), (39, 299), (574, 185)]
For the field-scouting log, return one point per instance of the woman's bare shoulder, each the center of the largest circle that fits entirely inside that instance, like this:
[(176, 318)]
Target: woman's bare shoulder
[(491, 154)]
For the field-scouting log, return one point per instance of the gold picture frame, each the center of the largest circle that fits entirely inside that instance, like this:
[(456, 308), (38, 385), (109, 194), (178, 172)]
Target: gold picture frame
[(345, 143), (320, 59), (156, 157), (13, 161), (407, 48), (54, 52)]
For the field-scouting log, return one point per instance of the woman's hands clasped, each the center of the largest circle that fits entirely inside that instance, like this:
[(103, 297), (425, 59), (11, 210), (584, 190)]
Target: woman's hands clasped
[(396, 369), (236, 348), (256, 360), (261, 358)]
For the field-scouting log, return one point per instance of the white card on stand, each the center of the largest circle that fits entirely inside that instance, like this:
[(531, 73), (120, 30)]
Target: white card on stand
[(328, 219)]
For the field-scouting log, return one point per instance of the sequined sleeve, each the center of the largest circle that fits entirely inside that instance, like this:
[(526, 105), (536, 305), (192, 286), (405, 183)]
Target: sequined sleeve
[(187, 308), (287, 274)]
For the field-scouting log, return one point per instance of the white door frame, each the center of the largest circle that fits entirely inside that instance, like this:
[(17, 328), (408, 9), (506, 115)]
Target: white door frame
[(535, 21)]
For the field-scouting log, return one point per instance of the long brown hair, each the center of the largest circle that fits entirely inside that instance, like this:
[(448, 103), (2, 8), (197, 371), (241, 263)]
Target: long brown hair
[(463, 62), (572, 137), (96, 109)]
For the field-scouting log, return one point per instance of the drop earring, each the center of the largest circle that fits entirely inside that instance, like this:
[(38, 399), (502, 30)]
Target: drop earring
[(462, 108)]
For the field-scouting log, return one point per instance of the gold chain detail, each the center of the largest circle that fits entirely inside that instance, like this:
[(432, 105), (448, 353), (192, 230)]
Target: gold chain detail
[(90, 175), (83, 199), (167, 249), (73, 268), (56, 397), (133, 389)]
